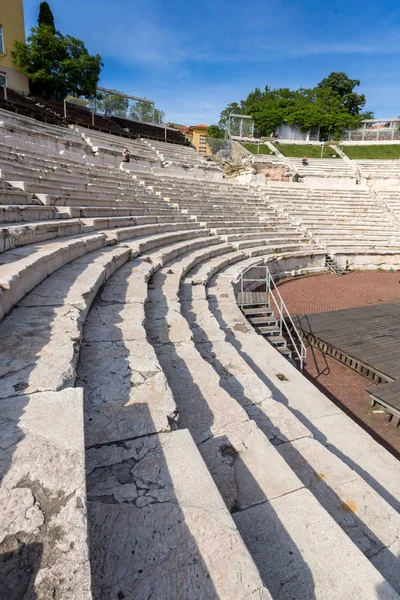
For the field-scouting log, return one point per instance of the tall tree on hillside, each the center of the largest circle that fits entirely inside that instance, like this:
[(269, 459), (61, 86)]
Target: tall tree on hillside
[(340, 83), (57, 65), (46, 16)]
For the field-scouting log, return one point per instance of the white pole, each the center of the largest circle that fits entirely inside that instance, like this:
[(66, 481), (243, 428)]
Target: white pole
[(65, 108)]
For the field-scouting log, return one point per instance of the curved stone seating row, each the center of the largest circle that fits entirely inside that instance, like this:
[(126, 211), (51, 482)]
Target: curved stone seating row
[(48, 357), (325, 167), (379, 169), (337, 218), (133, 399), (209, 414), (219, 327)]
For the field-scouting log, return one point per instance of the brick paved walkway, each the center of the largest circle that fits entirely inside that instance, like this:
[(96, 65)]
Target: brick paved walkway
[(320, 293), (346, 388)]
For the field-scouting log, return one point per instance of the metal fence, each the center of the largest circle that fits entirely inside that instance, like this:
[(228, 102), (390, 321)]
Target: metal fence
[(373, 130), (220, 148)]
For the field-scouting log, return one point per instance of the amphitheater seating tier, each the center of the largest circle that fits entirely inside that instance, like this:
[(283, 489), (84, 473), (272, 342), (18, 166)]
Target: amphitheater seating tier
[(336, 218), (135, 395)]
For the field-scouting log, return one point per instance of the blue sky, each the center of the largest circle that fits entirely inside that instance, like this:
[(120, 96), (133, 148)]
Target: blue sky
[(193, 58)]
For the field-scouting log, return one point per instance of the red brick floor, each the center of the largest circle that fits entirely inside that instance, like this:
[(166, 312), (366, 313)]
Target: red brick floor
[(320, 293), (345, 387)]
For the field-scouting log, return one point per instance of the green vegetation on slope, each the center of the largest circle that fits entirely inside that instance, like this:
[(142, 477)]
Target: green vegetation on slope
[(391, 151), (308, 150), (253, 148), (331, 106)]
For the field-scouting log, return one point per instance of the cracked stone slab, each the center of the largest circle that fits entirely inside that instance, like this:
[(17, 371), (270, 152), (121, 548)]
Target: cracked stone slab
[(160, 529), (302, 553), (246, 468), (39, 349), (43, 533), (126, 393), (115, 322)]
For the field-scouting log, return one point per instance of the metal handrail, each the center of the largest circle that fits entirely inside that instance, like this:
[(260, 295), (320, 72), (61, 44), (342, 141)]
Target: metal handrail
[(270, 284)]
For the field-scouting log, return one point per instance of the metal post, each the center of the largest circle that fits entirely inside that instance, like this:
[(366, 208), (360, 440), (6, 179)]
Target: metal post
[(241, 127), (93, 117), (377, 133), (140, 111), (65, 108), (281, 319), (252, 130), (154, 114), (363, 131), (393, 126)]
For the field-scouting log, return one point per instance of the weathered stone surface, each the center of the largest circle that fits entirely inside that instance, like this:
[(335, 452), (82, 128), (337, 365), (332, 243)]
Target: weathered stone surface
[(372, 524), (245, 467), (78, 283), (115, 322), (158, 527), (22, 269), (203, 323), (204, 408), (43, 536), (39, 349), (126, 394), (129, 284), (167, 324), (302, 553)]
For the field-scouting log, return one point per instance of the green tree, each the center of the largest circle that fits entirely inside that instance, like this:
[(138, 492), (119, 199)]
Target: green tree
[(143, 111), (332, 106), (112, 104), (46, 16), (340, 83), (57, 65), (232, 108), (215, 132)]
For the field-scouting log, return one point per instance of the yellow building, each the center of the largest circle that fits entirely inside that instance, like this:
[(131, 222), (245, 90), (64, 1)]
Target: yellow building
[(12, 28), (199, 139)]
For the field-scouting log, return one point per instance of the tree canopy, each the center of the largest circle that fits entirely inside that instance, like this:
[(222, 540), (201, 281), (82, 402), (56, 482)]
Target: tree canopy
[(56, 65), (332, 106), (215, 132), (46, 16), (143, 111)]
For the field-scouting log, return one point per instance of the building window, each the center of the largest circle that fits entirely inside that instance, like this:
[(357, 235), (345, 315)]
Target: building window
[(1, 40)]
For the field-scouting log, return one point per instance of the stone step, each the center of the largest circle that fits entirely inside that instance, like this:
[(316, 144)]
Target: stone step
[(39, 340), (24, 268), (221, 430), (15, 213), (166, 516), (344, 460), (14, 236), (12, 196), (43, 498)]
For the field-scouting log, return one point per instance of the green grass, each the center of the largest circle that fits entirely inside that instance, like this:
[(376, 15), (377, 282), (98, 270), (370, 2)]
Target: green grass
[(390, 151), (253, 148), (308, 150)]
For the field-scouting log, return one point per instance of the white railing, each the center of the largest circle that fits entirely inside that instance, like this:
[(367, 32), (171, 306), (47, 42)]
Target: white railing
[(285, 320)]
